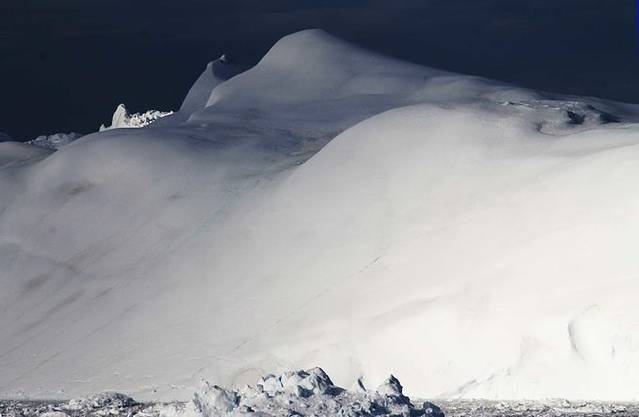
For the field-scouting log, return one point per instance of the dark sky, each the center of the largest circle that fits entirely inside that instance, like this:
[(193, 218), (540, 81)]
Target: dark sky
[(66, 64)]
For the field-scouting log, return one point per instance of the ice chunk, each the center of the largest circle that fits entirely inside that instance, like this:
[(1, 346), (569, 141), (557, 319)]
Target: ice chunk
[(212, 400), (122, 119), (359, 386), (431, 410), (101, 400), (55, 141), (392, 388), (315, 381), (300, 393)]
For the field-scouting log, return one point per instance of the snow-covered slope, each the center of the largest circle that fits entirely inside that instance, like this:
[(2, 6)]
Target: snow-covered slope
[(331, 207), (215, 73)]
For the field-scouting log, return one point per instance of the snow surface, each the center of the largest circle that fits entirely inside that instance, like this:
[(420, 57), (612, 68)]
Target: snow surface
[(338, 208), (215, 73)]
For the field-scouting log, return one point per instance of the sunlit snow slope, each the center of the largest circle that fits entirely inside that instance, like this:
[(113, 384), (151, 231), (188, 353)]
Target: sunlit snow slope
[(330, 207)]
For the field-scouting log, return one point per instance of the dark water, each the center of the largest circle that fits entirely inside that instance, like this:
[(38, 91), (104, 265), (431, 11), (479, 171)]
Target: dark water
[(66, 64)]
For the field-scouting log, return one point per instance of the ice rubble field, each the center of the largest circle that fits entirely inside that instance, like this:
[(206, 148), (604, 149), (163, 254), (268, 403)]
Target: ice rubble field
[(305, 393), (329, 207)]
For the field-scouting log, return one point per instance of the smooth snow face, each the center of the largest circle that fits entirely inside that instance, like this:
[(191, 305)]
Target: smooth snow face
[(331, 207)]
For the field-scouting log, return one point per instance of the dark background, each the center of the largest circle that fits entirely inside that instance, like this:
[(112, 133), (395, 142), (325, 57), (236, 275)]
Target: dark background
[(66, 64)]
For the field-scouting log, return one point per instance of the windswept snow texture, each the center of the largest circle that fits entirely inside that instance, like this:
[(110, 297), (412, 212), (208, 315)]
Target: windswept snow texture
[(331, 206)]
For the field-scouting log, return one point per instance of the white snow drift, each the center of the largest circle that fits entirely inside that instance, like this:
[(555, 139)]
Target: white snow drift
[(330, 207)]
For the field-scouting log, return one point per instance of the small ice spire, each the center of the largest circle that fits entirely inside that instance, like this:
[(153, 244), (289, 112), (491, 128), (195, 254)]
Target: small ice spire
[(359, 386), (394, 390), (391, 386), (120, 116)]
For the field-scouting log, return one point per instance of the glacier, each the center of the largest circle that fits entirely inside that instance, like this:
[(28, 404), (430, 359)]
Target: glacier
[(329, 207)]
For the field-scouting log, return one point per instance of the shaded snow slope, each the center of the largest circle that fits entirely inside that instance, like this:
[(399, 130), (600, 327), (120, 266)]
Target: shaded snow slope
[(14, 154), (330, 207), (215, 73)]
